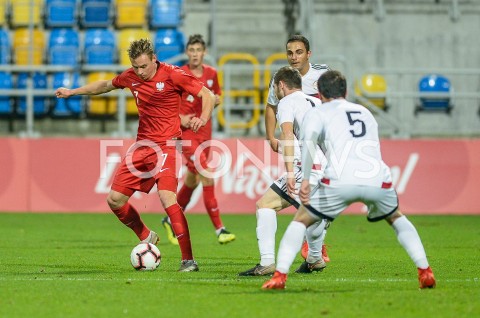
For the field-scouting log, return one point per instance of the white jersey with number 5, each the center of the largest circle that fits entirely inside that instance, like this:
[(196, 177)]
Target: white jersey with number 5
[(347, 133)]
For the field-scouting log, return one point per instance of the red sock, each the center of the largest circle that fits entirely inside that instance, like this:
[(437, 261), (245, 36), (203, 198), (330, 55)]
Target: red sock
[(184, 195), (129, 216), (180, 227), (212, 206)]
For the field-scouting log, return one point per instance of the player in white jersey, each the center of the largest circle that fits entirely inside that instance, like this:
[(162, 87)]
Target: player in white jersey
[(355, 172), (298, 54)]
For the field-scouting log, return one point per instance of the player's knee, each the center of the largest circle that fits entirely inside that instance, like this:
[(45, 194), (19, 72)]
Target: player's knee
[(114, 202), (167, 198)]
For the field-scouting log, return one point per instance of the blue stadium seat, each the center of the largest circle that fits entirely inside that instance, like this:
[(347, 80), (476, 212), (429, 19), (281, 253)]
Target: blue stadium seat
[(95, 13), (63, 47), (39, 104), (5, 47), (434, 83), (165, 13), (100, 46), (70, 107), (5, 104), (168, 43), (60, 13)]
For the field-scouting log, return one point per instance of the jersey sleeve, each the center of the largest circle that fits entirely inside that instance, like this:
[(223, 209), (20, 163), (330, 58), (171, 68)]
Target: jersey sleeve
[(216, 86), (120, 81), (186, 82), (285, 112), (272, 98)]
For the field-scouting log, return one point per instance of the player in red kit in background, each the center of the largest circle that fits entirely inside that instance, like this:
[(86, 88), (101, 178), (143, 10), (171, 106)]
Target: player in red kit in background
[(157, 88), (191, 107)]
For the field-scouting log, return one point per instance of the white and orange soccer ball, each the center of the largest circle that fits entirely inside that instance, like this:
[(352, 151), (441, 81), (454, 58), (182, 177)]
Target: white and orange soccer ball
[(145, 257)]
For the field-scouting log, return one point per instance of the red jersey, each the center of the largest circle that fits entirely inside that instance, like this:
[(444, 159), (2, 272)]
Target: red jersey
[(158, 100), (191, 104)]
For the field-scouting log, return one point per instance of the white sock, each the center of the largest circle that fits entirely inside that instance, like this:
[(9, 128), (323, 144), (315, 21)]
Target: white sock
[(217, 231), (290, 245), (315, 237), (408, 237), (266, 229)]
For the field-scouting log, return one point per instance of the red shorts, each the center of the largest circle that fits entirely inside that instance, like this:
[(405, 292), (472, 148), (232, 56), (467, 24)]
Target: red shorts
[(144, 166), (193, 154)]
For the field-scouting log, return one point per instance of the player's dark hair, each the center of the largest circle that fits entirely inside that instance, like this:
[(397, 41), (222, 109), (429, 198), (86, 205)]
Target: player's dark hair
[(332, 84), (290, 76), (139, 47), (299, 38), (196, 39)]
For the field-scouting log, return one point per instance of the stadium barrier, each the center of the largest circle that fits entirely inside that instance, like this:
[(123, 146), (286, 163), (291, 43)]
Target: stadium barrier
[(75, 175)]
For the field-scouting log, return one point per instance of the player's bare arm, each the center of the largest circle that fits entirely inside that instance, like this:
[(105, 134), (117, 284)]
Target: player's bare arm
[(95, 88), (288, 150), (217, 100), (270, 126), (185, 120), (208, 100)]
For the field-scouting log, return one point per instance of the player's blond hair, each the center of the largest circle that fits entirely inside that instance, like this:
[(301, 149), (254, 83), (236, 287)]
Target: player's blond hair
[(139, 47)]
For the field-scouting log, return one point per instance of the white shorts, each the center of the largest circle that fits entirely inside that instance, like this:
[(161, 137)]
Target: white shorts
[(329, 201), (280, 185)]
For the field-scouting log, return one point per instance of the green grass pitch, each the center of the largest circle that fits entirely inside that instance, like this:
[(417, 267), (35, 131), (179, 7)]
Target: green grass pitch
[(77, 265)]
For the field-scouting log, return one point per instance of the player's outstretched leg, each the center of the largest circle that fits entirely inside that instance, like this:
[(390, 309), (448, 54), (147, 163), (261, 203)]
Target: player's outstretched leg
[(129, 216), (266, 228), (289, 247), (408, 237)]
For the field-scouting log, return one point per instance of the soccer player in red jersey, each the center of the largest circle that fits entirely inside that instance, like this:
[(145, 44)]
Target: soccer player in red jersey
[(191, 107), (157, 88)]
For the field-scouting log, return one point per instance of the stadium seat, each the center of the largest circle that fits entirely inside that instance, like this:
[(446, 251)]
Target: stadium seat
[(60, 13), (165, 13), (5, 102), (22, 13), (63, 47), (125, 37), (101, 106), (100, 46), (70, 107), (23, 41), (3, 12), (373, 87), (131, 13), (168, 43), (4, 47), (95, 13), (39, 80), (434, 84)]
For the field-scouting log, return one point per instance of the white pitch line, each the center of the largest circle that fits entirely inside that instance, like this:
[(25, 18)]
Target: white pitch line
[(335, 280)]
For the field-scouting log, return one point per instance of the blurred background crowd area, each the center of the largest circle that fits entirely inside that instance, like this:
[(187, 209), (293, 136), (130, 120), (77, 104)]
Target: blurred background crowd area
[(414, 63)]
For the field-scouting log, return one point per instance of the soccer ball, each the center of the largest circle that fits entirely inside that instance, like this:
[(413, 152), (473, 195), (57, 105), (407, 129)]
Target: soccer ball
[(145, 257)]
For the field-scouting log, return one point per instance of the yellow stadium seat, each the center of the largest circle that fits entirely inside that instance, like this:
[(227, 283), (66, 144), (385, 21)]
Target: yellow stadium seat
[(132, 109), (23, 14), (101, 105), (23, 45), (3, 11), (125, 36), (131, 13), (372, 87)]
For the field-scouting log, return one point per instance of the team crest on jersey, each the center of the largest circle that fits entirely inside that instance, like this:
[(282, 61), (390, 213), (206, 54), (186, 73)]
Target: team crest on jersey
[(210, 82), (190, 98), (160, 86)]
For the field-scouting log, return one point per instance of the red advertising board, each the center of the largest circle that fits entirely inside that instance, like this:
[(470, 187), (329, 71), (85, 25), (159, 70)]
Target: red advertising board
[(75, 175)]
